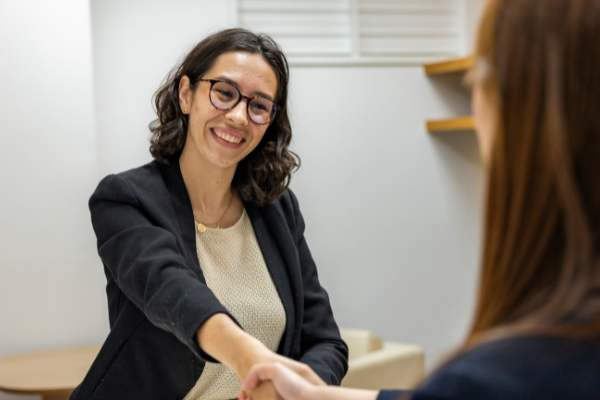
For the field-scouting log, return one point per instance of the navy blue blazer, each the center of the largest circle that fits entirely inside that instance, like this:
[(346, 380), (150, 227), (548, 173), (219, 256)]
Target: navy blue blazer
[(158, 298), (526, 368)]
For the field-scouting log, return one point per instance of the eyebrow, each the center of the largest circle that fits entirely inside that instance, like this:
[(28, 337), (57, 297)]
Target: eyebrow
[(234, 83)]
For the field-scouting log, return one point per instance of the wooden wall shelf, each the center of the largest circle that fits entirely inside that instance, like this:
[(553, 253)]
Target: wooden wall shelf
[(449, 125), (459, 65), (450, 66)]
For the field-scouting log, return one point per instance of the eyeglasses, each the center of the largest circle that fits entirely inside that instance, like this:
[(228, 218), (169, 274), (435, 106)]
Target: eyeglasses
[(224, 96)]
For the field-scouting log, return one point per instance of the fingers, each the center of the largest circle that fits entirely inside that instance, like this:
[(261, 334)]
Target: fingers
[(288, 384), (257, 374), (300, 368), (304, 371), (242, 396), (307, 373), (264, 391)]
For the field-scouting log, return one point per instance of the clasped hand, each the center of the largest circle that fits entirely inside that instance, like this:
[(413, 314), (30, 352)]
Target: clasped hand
[(283, 379)]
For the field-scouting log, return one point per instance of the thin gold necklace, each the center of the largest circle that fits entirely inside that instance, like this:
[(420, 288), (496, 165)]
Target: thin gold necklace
[(202, 225)]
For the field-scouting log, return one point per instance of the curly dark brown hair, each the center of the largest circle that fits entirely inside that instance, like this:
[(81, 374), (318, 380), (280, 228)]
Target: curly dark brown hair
[(265, 173)]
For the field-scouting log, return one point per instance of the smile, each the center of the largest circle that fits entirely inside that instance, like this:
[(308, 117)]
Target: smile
[(226, 137)]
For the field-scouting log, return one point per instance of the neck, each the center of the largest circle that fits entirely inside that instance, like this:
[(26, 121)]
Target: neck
[(208, 186)]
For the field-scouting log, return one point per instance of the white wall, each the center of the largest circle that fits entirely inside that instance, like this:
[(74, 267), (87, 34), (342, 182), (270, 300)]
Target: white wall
[(51, 285), (392, 212), (136, 43)]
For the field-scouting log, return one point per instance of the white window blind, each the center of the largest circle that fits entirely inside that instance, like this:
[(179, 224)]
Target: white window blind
[(303, 28), (358, 31), (396, 28)]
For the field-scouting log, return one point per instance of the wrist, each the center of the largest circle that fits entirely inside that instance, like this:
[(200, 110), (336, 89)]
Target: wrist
[(225, 341), (312, 393), (221, 338)]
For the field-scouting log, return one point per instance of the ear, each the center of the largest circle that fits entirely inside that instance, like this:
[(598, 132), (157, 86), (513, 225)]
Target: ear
[(185, 94)]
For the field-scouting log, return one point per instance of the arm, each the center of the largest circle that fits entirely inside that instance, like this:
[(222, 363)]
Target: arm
[(149, 267), (147, 264), (322, 348), (220, 337), (466, 382)]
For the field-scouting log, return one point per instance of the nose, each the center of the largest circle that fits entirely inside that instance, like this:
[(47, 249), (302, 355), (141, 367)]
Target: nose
[(239, 113)]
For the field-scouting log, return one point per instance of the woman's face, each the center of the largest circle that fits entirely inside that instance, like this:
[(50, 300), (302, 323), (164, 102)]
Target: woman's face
[(223, 138), (485, 122)]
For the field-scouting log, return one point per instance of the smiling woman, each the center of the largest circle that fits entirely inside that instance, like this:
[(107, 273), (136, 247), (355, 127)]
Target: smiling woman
[(208, 270), (231, 59)]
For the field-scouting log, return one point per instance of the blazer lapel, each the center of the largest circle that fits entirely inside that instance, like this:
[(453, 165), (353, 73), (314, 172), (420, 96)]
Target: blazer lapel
[(182, 208)]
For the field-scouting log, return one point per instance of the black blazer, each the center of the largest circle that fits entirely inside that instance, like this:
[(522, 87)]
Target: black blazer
[(158, 298), (523, 368)]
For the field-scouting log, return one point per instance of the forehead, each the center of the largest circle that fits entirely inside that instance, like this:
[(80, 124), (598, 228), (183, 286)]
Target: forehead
[(250, 72)]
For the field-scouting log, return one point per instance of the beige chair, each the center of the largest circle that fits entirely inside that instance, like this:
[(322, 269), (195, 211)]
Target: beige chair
[(375, 364)]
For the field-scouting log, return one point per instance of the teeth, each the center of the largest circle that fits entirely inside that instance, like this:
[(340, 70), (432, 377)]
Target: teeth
[(226, 137)]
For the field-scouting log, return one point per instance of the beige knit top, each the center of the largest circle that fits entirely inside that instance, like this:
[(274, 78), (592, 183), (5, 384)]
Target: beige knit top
[(235, 270)]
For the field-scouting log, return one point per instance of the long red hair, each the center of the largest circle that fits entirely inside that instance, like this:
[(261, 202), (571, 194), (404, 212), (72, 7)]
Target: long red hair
[(539, 66)]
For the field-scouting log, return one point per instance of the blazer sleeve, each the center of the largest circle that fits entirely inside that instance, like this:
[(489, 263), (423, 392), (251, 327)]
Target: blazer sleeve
[(148, 266), (455, 383), (458, 383), (321, 346), (388, 394)]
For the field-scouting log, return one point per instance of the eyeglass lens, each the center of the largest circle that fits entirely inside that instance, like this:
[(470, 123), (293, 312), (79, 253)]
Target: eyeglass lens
[(225, 96)]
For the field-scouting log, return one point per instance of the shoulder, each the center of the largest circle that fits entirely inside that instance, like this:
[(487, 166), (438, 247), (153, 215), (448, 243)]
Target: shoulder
[(142, 173), (518, 368), (146, 178), (285, 205), (287, 202), (140, 176)]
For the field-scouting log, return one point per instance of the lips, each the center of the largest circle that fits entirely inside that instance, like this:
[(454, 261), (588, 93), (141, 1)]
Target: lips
[(227, 136)]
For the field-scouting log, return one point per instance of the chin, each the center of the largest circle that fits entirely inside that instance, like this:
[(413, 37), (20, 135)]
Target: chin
[(224, 162)]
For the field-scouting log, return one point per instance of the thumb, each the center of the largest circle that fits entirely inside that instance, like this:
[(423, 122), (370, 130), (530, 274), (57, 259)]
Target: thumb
[(257, 374)]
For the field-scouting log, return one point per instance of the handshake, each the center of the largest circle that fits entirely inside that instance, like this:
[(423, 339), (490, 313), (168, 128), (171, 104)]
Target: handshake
[(285, 379)]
